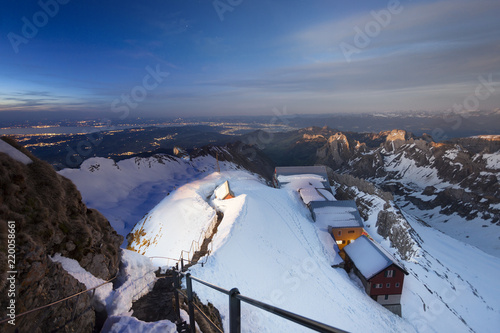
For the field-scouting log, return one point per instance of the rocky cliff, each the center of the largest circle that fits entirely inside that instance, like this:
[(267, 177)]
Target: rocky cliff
[(50, 218), (458, 176)]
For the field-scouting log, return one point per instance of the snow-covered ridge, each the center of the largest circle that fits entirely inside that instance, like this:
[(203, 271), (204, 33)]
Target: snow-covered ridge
[(14, 153), (127, 190)]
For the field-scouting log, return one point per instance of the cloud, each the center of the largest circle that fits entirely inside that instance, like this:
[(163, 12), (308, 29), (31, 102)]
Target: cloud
[(425, 25)]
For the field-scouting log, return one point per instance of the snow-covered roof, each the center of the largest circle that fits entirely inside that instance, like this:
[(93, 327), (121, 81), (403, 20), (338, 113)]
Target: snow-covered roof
[(309, 194), (315, 174), (369, 257), (223, 191), (14, 153), (337, 214), (300, 170)]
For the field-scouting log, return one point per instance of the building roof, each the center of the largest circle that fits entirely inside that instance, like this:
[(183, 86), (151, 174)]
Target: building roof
[(316, 174), (223, 190), (369, 257), (337, 214), (310, 193), (319, 170)]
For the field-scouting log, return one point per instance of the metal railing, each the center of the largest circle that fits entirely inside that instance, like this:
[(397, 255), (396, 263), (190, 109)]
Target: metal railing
[(196, 244), (93, 289), (235, 299)]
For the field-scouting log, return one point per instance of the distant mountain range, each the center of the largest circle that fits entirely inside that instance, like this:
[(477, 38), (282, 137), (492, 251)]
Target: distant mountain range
[(454, 181)]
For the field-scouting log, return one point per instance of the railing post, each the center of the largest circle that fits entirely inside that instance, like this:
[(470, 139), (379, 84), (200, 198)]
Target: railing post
[(189, 285), (182, 264), (234, 311), (176, 294)]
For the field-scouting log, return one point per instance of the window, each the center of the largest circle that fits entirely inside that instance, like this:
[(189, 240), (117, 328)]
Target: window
[(387, 285), (340, 233), (389, 273), (378, 285), (339, 242), (397, 285), (386, 297), (350, 232)]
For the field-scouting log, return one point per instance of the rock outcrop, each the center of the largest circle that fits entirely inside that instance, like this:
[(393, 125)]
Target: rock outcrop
[(50, 218)]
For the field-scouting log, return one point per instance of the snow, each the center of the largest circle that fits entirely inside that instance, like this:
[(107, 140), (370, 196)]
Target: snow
[(452, 286), (413, 175), (14, 153), (268, 247), (367, 258), (178, 220), (312, 194), (121, 324), (492, 160), (222, 190), (467, 231), (307, 178), (126, 190), (327, 194), (336, 214), (136, 279), (451, 154), (90, 281)]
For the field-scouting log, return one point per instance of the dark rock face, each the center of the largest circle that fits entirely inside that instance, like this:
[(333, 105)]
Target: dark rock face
[(378, 157), (393, 226), (50, 218), (390, 224), (248, 157)]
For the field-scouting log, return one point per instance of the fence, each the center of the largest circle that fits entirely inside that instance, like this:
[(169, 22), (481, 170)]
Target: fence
[(62, 300), (196, 244), (235, 299)]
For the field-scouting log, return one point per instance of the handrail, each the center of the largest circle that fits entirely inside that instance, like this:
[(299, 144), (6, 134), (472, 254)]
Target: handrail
[(301, 320), (59, 301), (196, 244), (235, 309)]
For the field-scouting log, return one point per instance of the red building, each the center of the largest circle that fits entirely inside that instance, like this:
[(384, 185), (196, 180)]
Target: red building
[(381, 274)]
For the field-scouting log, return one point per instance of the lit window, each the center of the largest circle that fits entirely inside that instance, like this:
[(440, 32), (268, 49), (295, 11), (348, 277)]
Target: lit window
[(339, 242), (388, 285), (389, 273)]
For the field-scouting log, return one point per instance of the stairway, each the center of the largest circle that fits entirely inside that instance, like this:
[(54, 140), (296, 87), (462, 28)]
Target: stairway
[(203, 251)]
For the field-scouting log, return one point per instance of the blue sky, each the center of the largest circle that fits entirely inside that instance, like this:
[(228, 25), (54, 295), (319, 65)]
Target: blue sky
[(247, 57)]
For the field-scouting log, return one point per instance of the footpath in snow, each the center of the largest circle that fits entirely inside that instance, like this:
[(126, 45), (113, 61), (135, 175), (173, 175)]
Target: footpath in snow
[(269, 248)]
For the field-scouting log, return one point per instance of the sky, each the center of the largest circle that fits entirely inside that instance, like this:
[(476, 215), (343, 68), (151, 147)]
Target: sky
[(241, 57)]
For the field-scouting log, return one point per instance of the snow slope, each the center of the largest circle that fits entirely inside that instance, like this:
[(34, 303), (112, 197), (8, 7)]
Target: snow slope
[(452, 286), (268, 247), (478, 231), (14, 153), (125, 191), (176, 221)]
